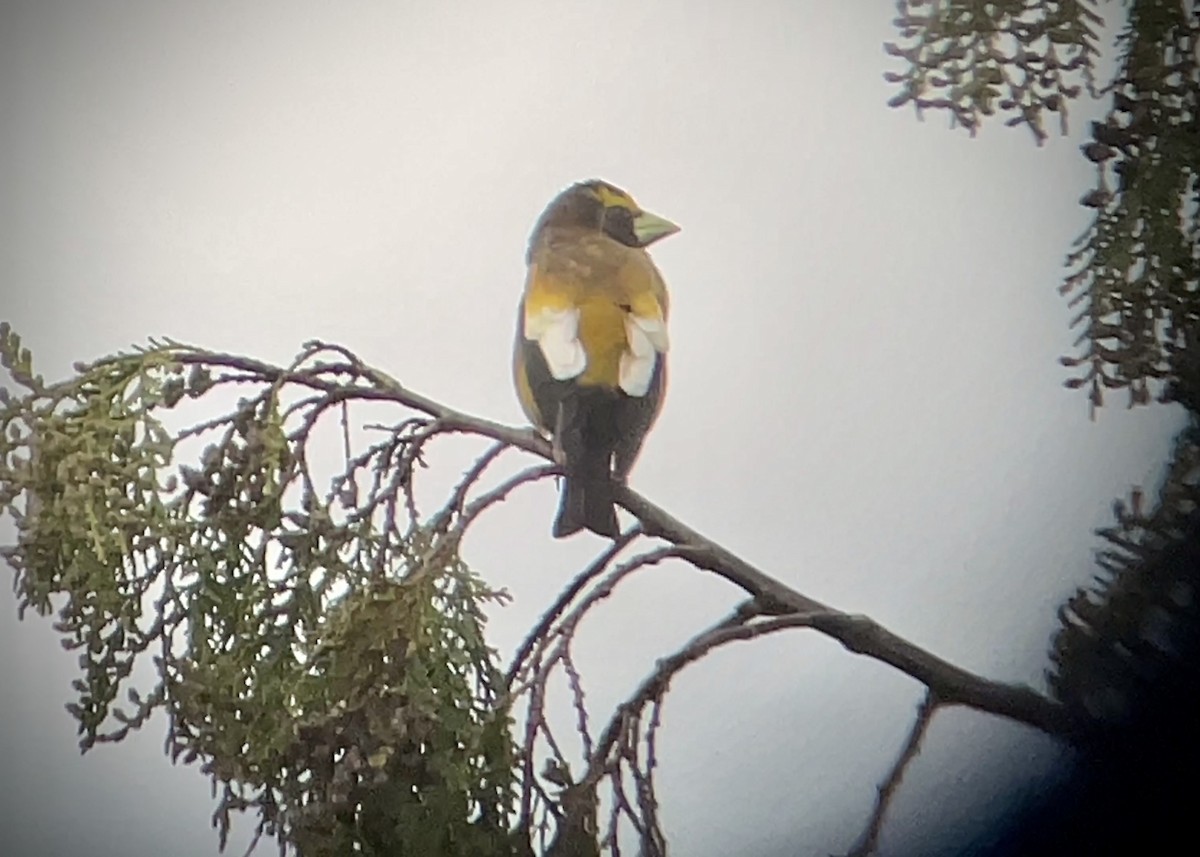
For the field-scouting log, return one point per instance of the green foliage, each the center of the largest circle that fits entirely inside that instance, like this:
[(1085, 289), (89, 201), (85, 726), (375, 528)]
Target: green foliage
[(1020, 58), (1135, 273), (1134, 276), (324, 661)]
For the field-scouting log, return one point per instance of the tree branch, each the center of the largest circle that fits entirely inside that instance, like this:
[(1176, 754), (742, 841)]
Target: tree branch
[(859, 634)]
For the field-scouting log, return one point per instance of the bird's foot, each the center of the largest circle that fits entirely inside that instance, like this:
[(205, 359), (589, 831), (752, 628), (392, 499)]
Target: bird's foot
[(556, 450), (558, 453)]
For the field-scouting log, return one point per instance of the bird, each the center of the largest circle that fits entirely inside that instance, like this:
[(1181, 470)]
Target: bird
[(589, 360)]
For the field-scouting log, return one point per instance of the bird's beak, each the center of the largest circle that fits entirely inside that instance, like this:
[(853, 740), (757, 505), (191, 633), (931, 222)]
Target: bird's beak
[(650, 227)]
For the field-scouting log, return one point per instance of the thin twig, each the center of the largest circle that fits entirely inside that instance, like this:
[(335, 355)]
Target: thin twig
[(655, 685), (533, 716), (564, 598), (869, 839), (577, 699), (459, 496)]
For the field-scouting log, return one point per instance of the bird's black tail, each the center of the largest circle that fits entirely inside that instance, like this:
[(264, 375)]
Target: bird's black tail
[(587, 437), (586, 501)]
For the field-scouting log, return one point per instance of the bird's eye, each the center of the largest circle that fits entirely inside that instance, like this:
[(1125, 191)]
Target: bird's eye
[(618, 225)]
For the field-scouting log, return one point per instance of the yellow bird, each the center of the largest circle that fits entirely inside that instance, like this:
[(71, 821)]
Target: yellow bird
[(590, 356)]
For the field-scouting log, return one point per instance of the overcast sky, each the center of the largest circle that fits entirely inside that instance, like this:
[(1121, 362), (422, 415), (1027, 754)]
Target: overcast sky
[(864, 400)]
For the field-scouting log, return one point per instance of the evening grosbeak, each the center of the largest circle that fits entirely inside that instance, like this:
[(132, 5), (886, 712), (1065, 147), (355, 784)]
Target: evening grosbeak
[(589, 361)]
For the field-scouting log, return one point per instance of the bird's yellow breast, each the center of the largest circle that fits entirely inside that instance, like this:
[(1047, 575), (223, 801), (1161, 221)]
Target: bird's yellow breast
[(606, 283), (602, 332)]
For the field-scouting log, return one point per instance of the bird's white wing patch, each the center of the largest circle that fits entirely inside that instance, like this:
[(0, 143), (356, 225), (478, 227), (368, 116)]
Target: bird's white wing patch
[(557, 335), (647, 338)]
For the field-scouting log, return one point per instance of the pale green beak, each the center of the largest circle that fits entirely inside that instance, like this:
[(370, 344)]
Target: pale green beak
[(650, 227)]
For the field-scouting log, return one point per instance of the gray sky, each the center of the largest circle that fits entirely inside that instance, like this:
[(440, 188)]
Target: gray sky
[(864, 395)]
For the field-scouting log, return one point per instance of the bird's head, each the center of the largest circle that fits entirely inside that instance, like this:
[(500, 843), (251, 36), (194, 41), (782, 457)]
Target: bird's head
[(606, 208)]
